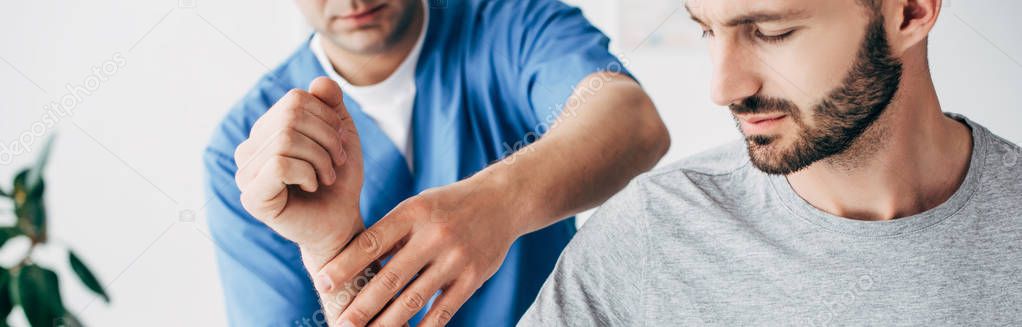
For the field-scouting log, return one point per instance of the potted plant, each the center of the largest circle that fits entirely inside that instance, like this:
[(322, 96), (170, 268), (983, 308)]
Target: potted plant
[(26, 284)]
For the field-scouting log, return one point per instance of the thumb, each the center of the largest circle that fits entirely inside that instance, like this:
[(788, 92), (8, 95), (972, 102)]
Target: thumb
[(326, 90)]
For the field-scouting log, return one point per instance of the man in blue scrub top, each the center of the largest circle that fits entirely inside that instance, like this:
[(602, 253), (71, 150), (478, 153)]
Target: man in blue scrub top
[(423, 122)]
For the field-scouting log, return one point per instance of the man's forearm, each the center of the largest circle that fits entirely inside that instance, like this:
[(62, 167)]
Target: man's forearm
[(608, 133)]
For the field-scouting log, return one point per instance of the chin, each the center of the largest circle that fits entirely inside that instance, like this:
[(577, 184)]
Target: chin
[(361, 41), (775, 157)]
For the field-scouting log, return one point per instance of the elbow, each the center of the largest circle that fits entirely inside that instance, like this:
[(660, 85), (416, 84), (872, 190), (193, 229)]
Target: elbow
[(661, 139), (653, 136), (648, 138)]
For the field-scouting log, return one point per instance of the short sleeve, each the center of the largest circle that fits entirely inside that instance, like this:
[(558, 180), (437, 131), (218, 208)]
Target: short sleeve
[(264, 281), (599, 278), (557, 48)]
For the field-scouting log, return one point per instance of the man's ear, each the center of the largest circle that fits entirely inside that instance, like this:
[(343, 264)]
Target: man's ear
[(913, 18)]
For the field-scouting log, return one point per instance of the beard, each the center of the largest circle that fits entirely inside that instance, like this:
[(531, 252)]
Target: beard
[(839, 119)]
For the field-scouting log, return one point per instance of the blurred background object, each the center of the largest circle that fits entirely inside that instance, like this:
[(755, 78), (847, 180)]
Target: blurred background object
[(136, 88), (32, 289)]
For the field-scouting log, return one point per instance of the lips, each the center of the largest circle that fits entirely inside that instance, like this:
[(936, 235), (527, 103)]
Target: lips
[(756, 119), (761, 124), (364, 13)]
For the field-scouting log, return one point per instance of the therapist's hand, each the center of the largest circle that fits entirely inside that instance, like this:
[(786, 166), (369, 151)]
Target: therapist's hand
[(449, 239), (300, 171)]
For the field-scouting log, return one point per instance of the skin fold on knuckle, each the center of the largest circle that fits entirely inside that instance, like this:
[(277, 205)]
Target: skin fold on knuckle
[(293, 111), (333, 143), (413, 301), (369, 242), (280, 167), (286, 140), (441, 316), (356, 315), (390, 281)]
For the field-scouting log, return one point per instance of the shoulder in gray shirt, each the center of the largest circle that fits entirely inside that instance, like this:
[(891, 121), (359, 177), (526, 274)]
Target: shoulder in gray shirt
[(712, 240)]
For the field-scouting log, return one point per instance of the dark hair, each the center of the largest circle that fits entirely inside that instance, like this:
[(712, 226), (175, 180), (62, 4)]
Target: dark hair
[(872, 5)]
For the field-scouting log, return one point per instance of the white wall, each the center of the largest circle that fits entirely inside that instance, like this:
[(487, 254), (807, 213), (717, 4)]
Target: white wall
[(126, 171)]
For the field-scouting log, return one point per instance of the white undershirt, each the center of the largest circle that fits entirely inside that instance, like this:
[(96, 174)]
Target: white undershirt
[(389, 103)]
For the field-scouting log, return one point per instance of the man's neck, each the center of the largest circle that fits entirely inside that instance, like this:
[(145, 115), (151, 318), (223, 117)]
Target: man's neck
[(361, 69), (912, 159)]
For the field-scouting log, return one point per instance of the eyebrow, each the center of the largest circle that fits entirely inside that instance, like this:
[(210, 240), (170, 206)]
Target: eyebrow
[(754, 17)]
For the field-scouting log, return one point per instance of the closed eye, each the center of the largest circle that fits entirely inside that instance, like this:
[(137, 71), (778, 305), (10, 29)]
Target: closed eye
[(774, 38)]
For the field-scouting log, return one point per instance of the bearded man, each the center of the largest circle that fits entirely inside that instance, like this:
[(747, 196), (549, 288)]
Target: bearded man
[(853, 199)]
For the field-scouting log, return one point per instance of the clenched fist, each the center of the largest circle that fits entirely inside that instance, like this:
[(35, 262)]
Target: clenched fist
[(300, 171)]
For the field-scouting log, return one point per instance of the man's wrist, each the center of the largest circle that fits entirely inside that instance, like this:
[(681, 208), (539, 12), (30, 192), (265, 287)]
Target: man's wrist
[(317, 253), (315, 258), (511, 199)]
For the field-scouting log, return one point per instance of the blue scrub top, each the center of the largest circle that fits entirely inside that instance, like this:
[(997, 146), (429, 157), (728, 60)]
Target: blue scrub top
[(492, 76)]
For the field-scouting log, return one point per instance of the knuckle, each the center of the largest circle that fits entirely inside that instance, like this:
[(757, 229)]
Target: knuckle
[(334, 142), (292, 120), (369, 241), (295, 96), (442, 234), (294, 104), (292, 93), (239, 179), (389, 280), (443, 315), (416, 207), (414, 301), (240, 151), (290, 115), (253, 207), (246, 202), (385, 322), (287, 139), (460, 254), (357, 315), (279, 166), (291, 102)]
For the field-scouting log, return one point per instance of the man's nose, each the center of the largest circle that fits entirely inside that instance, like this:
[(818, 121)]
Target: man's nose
[(734, 76)]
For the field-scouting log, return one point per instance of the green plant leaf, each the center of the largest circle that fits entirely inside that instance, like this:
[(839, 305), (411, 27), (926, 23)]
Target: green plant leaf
[(20, 198), (4, 194), (37, 291), (20, 188), (35, 176), (86, 276), (30, 207), (6, 303)]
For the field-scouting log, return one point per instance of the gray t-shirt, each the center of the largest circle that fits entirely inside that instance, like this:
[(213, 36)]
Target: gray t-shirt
[(711, 240)]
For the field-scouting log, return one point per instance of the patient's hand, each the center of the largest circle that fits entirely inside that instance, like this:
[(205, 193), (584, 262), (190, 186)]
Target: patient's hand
[(300, 171)]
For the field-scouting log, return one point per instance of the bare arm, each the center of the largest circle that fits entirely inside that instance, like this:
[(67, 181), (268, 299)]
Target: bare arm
[(613, 134), (454, 238)]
